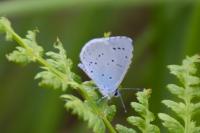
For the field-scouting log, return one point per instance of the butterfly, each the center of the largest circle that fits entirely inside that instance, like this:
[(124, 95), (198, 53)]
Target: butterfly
[(106, 61)]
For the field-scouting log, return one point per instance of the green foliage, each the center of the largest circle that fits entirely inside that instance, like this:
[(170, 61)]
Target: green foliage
[(186, 92), (123, 129), (60, 62), (144, 122), (107, 34), (4, 25), (88, 109), (83, 109), (26, 55), (56, 73)]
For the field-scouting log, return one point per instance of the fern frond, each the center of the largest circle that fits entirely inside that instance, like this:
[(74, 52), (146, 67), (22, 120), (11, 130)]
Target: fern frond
[(188, 90), (82, 109), (28, 50), (56, 73), (60, 62), (19, 56), (26, 55), (5, 27), (173, 125), (92, 110), (123, 129), (142, 107)]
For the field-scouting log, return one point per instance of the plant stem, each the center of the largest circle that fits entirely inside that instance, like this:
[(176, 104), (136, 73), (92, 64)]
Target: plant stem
[(106, 121), (109, 126), (61, 76), (187, 118)]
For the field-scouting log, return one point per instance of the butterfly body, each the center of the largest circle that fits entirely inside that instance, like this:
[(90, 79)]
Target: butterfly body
[(106, 61)]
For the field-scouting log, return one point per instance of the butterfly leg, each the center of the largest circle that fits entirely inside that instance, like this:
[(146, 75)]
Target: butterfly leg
[(118, 94), (133, 89)]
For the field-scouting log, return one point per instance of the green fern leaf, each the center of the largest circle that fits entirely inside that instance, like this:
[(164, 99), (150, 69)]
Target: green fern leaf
[(142, 107), (20, 56), (196, 108), (172, 124), (92, 110), (4, 25), (84, 110), (137, 121), (34, 48), (197, 130), (187, 91), (56, 73), (23, 55), (176, 90), (101, 106), (123, 129), (59, 60), (178, 108), (49, 80), (56, 61)]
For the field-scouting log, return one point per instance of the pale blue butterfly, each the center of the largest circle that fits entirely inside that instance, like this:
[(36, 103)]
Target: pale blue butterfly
[(106, 61)]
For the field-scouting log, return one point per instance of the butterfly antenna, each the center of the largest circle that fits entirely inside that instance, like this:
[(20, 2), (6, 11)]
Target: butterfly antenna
[(122, 101), (133, 89)]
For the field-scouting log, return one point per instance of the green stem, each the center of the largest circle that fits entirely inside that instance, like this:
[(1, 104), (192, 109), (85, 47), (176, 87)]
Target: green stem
[(109, 126), (60, 75), (187, 119), (93, 105)]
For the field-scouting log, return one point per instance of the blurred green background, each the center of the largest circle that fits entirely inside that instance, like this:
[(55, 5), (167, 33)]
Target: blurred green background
[(164, 32)]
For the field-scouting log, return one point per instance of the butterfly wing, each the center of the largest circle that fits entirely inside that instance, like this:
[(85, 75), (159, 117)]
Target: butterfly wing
[(106, 61)]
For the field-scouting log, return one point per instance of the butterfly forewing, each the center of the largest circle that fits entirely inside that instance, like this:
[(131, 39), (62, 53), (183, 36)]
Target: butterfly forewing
[(106, 61)]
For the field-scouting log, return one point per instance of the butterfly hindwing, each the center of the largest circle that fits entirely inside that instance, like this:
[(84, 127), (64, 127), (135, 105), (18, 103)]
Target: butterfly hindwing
[(106, 61)]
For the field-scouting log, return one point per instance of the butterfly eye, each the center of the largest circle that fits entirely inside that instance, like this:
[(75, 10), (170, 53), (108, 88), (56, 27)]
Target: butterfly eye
[(112, 60), (114, 48)]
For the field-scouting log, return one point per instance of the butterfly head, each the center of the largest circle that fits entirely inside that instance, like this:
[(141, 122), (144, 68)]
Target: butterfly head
[(109, 93)]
